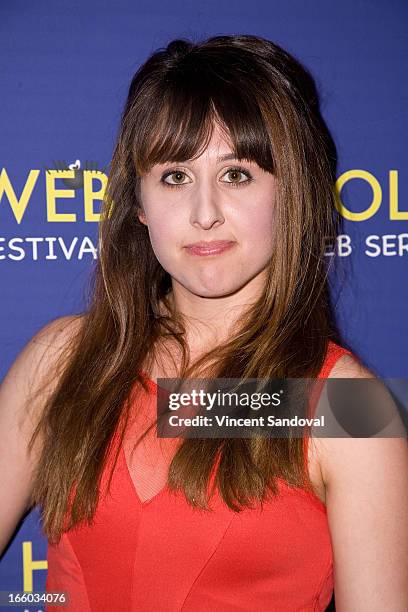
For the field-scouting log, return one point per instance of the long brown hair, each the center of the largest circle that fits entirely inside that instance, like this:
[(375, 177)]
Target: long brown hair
[(267, 104)]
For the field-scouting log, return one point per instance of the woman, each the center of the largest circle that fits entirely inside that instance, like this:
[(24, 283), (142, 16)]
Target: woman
[(217, 212)]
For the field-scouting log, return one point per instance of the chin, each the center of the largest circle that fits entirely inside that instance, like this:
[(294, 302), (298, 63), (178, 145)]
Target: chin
[(216, 291)]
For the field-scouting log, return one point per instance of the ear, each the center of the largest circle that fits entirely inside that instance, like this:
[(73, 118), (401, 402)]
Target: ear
[(141, 216)]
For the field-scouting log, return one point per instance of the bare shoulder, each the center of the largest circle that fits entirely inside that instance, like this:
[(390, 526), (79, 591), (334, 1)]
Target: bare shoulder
[(31, 379), (366, 489), (49, 344), (24, 391), (337, 455), (56, 333), (348, 366), (37, 362)]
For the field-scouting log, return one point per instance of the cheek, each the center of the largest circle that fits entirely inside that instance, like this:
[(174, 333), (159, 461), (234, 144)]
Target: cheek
[(260, 227), (164, 238), (158, 245)]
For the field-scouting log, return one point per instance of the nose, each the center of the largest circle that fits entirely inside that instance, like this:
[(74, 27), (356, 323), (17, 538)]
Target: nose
[(206, 207)]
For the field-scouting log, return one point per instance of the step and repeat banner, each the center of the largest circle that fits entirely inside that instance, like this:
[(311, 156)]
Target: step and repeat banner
[(65, 70)]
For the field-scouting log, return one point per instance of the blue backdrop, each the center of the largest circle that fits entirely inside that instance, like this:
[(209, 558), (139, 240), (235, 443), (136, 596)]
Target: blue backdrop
[(65, 70)]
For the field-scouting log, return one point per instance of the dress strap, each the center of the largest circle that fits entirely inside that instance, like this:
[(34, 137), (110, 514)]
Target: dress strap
[(334, 352)]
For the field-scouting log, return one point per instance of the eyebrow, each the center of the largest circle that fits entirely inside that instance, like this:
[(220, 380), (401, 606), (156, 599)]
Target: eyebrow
[(226, 156), (221, 158)]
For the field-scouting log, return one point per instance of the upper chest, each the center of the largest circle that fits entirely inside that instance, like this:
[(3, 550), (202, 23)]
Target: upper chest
[(164, 369)]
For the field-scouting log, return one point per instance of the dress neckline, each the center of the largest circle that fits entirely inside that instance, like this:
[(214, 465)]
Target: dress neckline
[(311, 495), (141, 503), (334, 351)]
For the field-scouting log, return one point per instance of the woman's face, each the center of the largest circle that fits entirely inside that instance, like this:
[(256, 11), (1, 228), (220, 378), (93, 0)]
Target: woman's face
[(211, 199)]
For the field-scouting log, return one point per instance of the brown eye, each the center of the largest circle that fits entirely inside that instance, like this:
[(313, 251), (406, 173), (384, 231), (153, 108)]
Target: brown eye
[(235, 173), (177, 174)]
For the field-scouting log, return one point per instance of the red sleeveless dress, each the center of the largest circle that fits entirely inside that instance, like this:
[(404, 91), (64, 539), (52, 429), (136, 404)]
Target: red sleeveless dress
[(158, 554)]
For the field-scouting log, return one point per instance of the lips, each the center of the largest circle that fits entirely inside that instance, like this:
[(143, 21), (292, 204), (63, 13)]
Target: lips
[(209, 248)]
